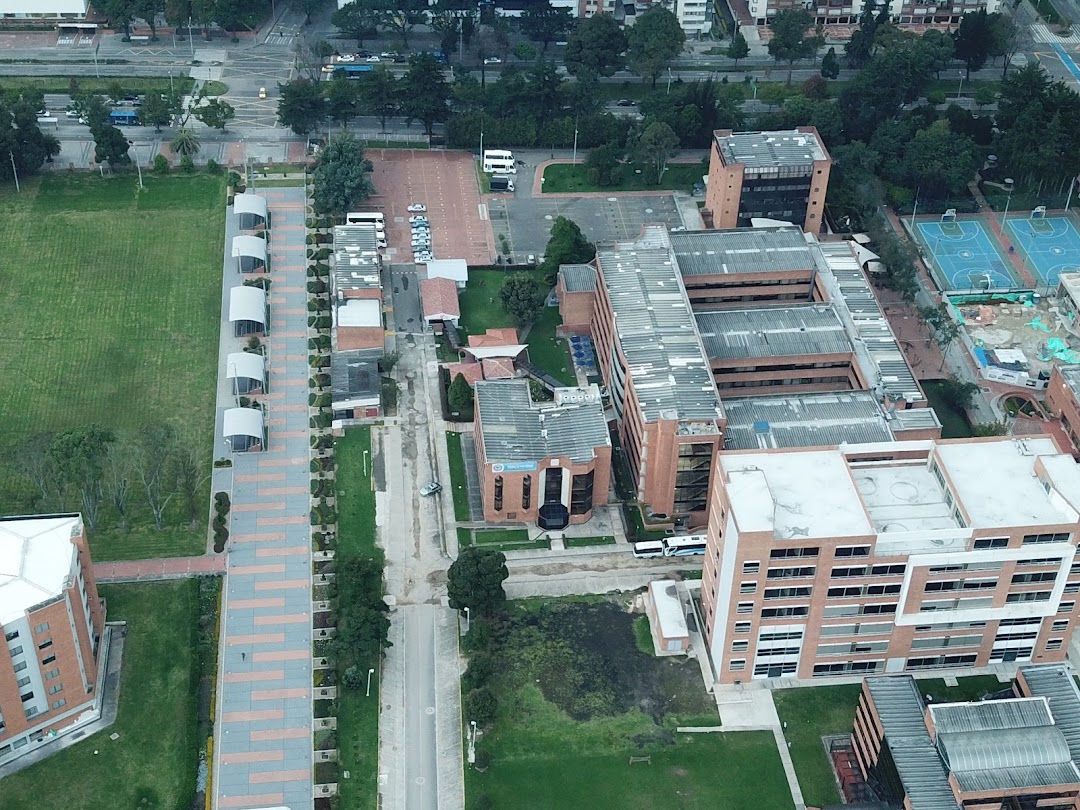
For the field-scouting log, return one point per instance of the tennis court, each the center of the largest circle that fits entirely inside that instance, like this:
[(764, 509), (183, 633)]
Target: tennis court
[(965, 256), (1051, 245)]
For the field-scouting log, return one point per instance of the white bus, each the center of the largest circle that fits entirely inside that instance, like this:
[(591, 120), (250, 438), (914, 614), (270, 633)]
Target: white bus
[(499, 161), (684, 545), (649, 548), (367, 218)]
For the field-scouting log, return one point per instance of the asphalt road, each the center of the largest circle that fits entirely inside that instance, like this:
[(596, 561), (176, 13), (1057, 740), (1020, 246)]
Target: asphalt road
[(422, 765)]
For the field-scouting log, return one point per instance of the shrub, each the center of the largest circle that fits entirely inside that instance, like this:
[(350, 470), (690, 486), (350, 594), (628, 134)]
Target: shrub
[(480, 705), (317, 287), (161, 164), (322, 421), (212, 166), (481, 668), (186, 164), (221, 501), (936, 97)]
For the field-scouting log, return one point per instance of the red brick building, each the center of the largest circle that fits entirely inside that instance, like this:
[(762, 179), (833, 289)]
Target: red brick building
[(52, 620)]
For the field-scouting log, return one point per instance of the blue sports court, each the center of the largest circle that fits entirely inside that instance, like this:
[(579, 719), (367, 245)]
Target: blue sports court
[(965, 256), (1051, 245)]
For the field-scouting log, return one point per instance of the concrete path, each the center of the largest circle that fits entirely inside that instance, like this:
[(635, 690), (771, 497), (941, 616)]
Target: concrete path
[(263, 737), (159, 569)]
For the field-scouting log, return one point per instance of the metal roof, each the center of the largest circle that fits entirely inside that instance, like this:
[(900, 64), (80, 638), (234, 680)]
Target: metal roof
[(355, 259), (914, 419), (353, 375), (990, 715), (876, 346), (247, 304), (923, 774), (804, 420), (1056, 683), (248, 203), (578, 277), (810, 329), (655, 328), (1028, 776), (245, 364), (1021, 748), (742, 250), (250, 246), (243, 422), (758, 150), (514, 428)]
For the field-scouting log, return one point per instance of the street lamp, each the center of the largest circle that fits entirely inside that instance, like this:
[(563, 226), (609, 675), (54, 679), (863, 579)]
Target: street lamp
[(365, 462), (1009, 187), (575, 144), (961, 88), (467, 619), (370, 672), (11, 155), (137, 164), (669, 81)]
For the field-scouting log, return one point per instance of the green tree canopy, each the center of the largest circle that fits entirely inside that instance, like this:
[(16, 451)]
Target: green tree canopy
[(459, 396), (522, 296), (359, 19), (215, 113), (544, 23), (425, 92), (830, 64), (342, 176), (595, 47), (342, 100), (185, 143), (110, 145), (475, 580), (789, 41), (973, 40), (567, 245), (301, 105), (738, 48), (654, 40), (657, 145), (79, 456), (379, 94), (939, 161)]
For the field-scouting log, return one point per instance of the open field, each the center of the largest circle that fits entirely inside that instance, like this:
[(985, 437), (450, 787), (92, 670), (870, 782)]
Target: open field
[(86, 84), (569, 178), (153, 763), (458, 486), (578, 698), (111, 311), (814, 712)]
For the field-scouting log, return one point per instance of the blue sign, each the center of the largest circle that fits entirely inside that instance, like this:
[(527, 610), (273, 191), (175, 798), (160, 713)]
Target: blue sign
[(514, 466)]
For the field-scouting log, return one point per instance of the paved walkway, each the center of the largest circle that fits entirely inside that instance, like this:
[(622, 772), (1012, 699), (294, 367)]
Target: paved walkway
[(263, 738), (161, 568)]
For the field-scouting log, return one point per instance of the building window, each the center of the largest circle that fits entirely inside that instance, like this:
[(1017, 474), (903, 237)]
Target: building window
[(1030, 596), (1037, 576), (48, 660), (1054, 643), (747, 587), (20, 666), (16, 650), (739, 646), (742, 627), (498, 493), (581, 493), (751, 567), (45, 644), (29, 713), (852, 551), (59, 687), (785, 612), (14, 634), (737, 665), (41, 628), (526, 491), (787, 593), (52, 673), (745, 607), (59, 704), (1060, 537), (794, 572), (23, 682), (991, 542), (26, 697), (1066, 607), (788, 553)]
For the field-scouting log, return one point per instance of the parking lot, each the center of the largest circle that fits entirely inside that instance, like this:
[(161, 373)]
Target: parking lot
[(527, 220), (446, 183)]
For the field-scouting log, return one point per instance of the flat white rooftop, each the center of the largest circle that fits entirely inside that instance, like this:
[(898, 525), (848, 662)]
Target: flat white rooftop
[(36, 557), (903, 496)]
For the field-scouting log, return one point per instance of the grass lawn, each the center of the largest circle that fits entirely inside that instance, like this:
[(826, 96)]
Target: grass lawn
[(500, 539), (458, 486), (570, 684), (480, 306), (564, 178), (357, 715), (814, 712), (550, 353), (153, 763), (125, 331), (576, 542), (129, 84)]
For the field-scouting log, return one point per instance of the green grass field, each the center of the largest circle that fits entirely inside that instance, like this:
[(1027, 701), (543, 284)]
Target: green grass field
[(549, 352), (111, 307), (458, 486), (357, 715), (819, 711), (153, 763), (568, 178), (86, 84)]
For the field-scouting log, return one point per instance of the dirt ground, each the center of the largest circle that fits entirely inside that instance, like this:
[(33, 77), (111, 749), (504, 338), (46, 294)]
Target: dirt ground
[(587, 662)]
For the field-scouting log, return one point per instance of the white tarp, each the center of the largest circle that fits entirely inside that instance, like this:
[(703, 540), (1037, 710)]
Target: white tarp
[(250, 204), (484, 352), (250, 246), (455, 269), (243, 422), (247, 304), (245, 364)]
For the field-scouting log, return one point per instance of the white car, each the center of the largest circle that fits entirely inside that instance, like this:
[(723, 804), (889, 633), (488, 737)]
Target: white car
[(416, 208), (373, 58), (347, 57), (420, 226), (422, 258), (431, 488), (418, 220), (389, 54), (72, 113), (493, 60)]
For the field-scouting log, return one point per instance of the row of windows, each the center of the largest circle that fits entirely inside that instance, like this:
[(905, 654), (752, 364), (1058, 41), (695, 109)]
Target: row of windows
[(848, 591), (962, 585), (893, 570)]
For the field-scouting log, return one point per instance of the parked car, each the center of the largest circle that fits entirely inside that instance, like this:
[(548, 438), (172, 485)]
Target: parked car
[(262, 92), (431, 488), (373, 58), (327, 68), (420, 218), (389, 54), (416, 208), (347, 57), (625, 102), (493, 60), (422, 258), (72, 113)]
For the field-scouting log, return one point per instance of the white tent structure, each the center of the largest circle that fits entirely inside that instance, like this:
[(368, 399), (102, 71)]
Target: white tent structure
[(251, 209), (243, 429), (248, 370), (249, 252), (247, 310)]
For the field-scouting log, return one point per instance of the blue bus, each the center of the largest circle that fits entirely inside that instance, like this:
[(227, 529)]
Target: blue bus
[(352, 71), (124, 118)]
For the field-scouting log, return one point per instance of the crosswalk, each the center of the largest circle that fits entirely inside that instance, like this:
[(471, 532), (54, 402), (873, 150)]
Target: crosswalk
[(279, 38), (1041, 33)]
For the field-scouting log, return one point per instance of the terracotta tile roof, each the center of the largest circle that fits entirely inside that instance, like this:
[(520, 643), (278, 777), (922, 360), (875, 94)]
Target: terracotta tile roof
[(506, 336), (439, 297), (472, 372), (498, 368)]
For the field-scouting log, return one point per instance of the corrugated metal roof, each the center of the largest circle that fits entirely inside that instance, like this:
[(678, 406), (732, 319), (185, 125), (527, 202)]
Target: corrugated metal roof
[(1029, 776), (353, 374), (1020, 748), (656, 330), (805, 420), (513, 428), (772, 332), (355, 258), (578, 277), (990, 715), (914, 419), (918, 765), (742, 250), (1056, 683)]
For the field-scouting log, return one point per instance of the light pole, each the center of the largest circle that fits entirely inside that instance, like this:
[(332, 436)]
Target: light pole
[(669, 81), (915, 208), (365, 462), (138, 165), (1009, 185), (11, 155), (370, 672), (961, 88), (468, 619), (191, 41), (575, 144)]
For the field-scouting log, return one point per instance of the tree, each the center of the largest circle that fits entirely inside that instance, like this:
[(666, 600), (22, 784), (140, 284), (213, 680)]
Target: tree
[(31, 457), (187, 471), (342, 100), (152, 447), (543, 23), (830, 65), (942, 326), (475, 580), (658, 144), (937, 49), (177, 13), (426, 94), (1004, 38), (654, 40), (602, 164), (480, 706), (79, 456), (378, 94), (738, 48), (309, 7), (940, 161), (459, 396), (522, 297), (984, 95), (215, 113), (958, 393), (110, 145), (342, 176), (185, 143), (526, 51), (789, 41), (359, 19), (147, 10), (120, 14), (595, 47), (973, 40), (567, 245), (156, 110), (403, 16), (301, 106)]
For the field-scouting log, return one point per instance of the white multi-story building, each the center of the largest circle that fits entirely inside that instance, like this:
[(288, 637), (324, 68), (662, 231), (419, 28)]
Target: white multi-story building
[(43, 9), (846, 12)]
